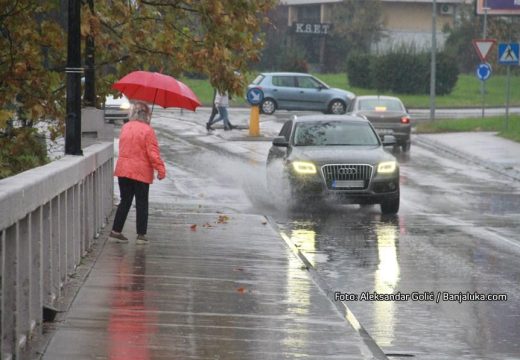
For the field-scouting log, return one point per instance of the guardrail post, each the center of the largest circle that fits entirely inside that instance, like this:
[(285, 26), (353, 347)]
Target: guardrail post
[(55, 245), (23, 283), (65, 217), (35, 275), (8, 306)]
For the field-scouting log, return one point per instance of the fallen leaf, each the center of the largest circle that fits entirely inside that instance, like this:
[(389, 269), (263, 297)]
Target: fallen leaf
[(264, 222), (238, 269), (207, 225), (222, 219), (193, 227), (241, 290)]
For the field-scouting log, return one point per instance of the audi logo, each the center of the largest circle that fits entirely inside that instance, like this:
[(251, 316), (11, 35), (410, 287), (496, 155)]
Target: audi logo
[(347, 171)]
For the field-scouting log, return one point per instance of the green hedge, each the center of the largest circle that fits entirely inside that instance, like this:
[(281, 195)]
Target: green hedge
[(402, 71)]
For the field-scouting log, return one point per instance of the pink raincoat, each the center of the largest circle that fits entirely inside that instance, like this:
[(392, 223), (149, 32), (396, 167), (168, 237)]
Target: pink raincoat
[(139, 153)]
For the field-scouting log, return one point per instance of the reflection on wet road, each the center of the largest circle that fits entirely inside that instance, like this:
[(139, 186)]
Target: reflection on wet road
[(129, 324), (456, 234)]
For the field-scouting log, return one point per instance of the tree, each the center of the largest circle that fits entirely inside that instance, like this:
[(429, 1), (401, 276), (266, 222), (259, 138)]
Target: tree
[(357, 24), (469, 27), (216, 38)]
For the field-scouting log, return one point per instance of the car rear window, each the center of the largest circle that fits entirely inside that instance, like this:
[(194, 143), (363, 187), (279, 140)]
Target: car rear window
[(258, 79), (325, 133)]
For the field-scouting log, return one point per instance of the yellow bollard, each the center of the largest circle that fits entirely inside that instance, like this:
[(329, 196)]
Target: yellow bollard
[(254, 121)]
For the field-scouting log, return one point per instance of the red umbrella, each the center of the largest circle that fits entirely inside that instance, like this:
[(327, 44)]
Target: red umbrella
[(157, 88)]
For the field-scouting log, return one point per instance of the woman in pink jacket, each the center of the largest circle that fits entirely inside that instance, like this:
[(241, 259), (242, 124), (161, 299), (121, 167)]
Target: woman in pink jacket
[(138, 156)]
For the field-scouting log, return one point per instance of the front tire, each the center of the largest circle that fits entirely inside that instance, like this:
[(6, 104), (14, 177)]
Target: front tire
[(337, 107), (268, 106), (391, 206)]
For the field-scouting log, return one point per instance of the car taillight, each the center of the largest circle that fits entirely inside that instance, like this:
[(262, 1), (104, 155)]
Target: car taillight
[(405, 120)]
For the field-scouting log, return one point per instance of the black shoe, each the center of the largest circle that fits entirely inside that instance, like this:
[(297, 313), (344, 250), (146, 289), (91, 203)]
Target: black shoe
[(227, 129), (232, 127), (208, 127)]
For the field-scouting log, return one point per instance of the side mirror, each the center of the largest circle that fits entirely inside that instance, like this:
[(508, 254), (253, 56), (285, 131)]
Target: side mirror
[(280, 141), (389, 140)]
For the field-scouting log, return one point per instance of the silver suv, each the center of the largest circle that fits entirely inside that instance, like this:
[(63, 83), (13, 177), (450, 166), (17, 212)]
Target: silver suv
[(299, 91)]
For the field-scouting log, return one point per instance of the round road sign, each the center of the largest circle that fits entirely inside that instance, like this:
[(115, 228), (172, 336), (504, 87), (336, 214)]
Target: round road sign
[(255, 96), (483, 71)]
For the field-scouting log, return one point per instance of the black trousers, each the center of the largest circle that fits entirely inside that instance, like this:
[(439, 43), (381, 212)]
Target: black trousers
[(128, 188)]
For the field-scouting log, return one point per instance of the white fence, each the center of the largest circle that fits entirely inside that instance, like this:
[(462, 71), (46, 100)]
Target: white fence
[(49, 217)]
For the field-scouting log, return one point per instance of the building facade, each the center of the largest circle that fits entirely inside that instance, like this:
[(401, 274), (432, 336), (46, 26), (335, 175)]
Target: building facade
[(406, 22)]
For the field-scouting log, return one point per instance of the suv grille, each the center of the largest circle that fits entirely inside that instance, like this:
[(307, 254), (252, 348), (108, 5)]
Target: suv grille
[(347, 176)]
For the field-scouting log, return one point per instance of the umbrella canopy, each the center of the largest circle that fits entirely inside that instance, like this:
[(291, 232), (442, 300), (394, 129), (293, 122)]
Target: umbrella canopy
[(157, 88)]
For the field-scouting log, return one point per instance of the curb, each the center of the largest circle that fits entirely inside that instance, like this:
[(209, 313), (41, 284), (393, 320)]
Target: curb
[(347, 314), (442, 148)]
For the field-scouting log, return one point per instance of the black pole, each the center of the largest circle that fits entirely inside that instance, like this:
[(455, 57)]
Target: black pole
[(74, 72), (90, 75)]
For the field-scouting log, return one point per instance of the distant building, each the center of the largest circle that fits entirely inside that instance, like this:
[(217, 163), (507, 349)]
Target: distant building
[(405, 21)]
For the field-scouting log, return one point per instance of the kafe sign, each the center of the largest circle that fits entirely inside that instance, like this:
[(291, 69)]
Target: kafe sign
[(313, 29)]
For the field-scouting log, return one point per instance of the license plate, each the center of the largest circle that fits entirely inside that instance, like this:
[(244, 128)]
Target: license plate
[(385, 131), (348, 184)]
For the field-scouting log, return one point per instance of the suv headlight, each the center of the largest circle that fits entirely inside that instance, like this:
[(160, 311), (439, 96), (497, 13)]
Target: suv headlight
[(304, 167), (386, 167)]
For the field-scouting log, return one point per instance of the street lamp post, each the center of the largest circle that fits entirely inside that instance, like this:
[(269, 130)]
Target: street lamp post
[(90, 78), (433, 60), (74, 71)]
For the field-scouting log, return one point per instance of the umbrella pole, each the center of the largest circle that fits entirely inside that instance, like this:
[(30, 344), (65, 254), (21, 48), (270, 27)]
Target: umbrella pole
[(155, 96)]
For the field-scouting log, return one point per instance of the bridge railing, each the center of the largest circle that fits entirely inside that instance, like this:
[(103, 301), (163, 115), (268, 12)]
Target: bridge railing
[(49, 218)]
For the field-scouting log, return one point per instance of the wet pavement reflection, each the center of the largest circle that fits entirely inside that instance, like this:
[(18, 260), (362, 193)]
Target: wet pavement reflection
[(130, 325)]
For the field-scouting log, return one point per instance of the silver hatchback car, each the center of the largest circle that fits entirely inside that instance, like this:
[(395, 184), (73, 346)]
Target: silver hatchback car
[(299, 91)]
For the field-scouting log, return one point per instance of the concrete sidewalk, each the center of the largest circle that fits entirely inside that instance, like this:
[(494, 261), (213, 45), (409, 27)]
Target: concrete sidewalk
[(485, 149), (208, 286)]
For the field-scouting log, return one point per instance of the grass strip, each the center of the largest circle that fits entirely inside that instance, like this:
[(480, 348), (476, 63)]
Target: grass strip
[(509, 130)]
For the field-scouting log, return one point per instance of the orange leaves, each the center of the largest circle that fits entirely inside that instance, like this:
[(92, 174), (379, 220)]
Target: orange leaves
[(222, 219)]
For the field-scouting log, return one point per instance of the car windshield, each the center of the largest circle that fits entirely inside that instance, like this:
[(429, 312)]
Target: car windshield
[(325, 133), (380, 105)]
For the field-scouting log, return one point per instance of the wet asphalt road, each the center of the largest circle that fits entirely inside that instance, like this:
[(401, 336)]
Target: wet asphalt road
[(456, 233)]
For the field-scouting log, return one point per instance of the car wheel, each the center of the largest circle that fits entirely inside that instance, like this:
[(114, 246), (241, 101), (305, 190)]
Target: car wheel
[(268, 106), (390, 206), (337, 107), (406, 146)]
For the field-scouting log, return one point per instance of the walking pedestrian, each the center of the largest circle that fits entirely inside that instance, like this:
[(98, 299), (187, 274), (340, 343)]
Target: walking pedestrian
[(214, 111), (222, 103), (139, 156)]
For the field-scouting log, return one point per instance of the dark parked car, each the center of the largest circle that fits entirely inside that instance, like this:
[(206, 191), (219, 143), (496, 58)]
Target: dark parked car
[(334, 156), (388, 115), (299, 91)]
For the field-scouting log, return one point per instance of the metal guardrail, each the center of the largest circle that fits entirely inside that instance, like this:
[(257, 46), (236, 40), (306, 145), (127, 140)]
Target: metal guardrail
[(49, 218)]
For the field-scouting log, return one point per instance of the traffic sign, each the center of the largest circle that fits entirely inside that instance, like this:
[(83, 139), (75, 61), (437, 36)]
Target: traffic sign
[(508, 53), (255, 96), (483, 71), (483, 47)]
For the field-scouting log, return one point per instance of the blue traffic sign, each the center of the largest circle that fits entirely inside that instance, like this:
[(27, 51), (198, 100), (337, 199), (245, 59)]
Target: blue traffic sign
[(255, 96), (483, 71), (508, 54)]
